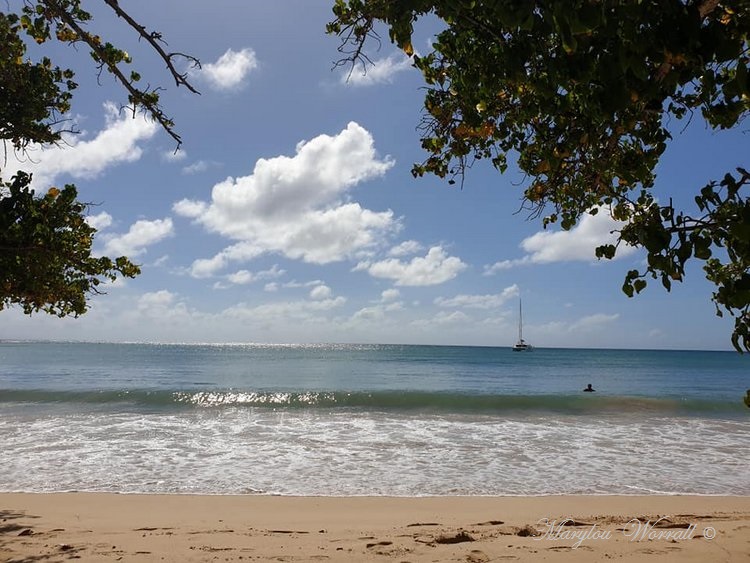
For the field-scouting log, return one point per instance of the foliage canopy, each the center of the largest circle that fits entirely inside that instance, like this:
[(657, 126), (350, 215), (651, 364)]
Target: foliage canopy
[(45, 257), (45, 242), (584, 93)]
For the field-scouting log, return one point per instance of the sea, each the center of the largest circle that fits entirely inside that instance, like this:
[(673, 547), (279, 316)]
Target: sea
[(371, 420)]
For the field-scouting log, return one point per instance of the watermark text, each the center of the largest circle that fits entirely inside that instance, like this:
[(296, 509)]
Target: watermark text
[(635, 530)]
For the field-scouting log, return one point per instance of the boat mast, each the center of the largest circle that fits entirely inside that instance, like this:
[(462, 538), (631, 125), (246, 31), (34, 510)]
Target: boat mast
[(520, 322)]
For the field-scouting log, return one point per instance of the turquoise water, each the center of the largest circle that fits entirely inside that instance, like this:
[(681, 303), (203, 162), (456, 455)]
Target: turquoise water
[(370, 419)]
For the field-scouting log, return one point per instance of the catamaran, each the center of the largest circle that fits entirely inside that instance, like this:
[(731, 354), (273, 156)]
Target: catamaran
[(521, 345)]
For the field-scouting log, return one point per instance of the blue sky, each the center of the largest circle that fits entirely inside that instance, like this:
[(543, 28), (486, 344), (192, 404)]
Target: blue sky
[(290, 214)]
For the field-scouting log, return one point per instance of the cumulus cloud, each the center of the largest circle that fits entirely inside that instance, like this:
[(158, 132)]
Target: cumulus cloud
[(240, 252), (390, 295), (156, 300), (369, 314), (297, 206), (577, 244), (492, 269), (321, 292), (118, 142), (242, 277), (100, 220), (189, 208), (230, 70), (433, 269), (479, 301), (140, 235), (165, 309), (382, 71), (406, 248)]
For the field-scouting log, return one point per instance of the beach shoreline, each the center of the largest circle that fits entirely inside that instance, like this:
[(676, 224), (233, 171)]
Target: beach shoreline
[(146, 527)]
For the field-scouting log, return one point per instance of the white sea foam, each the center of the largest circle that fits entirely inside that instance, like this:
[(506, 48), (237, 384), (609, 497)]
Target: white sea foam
[(322, 452)]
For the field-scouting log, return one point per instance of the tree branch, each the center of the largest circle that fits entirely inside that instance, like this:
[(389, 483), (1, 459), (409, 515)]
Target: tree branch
[(153, 39), (137, 97)]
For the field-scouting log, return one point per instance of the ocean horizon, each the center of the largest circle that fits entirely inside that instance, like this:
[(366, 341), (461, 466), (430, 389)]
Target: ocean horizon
[(370, 419), (508, 346)]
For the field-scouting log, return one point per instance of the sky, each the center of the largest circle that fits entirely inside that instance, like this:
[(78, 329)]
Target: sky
[(290, 215)]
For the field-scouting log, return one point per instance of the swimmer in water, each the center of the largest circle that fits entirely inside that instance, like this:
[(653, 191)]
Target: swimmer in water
[(589, 389)]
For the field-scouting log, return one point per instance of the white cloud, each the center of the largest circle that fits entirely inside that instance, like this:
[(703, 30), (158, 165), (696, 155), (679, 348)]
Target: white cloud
[(273, 272), (196, 167), (156, 300), (390, 295), (230, 70), (277, 312), (296, 284), (593, 322), (140, 235), (492, 269), (242, 277), (443, 318), (99, 221), (406, 248), (118, 142), (577, 244), (376, 313), (174, 155), (271, 287), (382, 71), (296, 206), (320, 292), (240, 252), (164, 309), (207, 267), (435, 268), (189, 208), (479, 301)]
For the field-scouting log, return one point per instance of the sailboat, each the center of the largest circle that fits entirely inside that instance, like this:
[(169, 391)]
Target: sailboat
[(521, 345)]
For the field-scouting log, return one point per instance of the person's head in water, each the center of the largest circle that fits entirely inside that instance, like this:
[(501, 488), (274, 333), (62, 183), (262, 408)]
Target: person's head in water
[(589, 389)]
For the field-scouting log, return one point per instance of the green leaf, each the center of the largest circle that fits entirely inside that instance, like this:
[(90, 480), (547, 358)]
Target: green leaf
[(627, 289)]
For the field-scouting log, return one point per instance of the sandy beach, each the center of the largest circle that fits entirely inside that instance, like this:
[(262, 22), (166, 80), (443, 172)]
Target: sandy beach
[(111, 527)]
